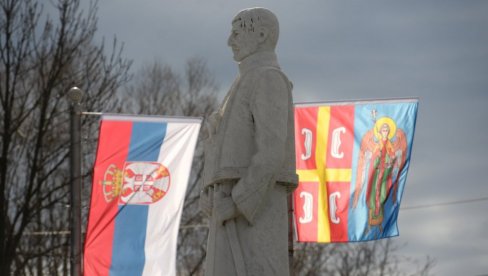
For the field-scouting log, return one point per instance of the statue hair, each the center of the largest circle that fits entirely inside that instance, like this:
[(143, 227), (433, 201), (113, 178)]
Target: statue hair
[(253, 18)]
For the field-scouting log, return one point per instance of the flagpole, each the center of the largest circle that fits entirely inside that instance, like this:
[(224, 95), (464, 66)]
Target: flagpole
[(75, 95)]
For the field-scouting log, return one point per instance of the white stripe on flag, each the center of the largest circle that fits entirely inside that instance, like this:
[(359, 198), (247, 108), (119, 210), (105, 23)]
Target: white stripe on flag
[(164, 216)]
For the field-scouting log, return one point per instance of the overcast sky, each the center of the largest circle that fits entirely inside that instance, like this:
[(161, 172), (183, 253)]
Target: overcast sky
[(342, 50)]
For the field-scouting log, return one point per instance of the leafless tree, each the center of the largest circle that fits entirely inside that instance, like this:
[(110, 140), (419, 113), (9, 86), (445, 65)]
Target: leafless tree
[(374, 258), (157, 90), (41, 56)]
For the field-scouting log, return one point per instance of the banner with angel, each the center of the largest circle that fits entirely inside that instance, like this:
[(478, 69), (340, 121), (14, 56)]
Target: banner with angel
[(352, 162)]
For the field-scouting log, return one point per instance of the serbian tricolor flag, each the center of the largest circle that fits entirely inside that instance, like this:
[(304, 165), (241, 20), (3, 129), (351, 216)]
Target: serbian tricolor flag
[(352, 160), (140, 178)]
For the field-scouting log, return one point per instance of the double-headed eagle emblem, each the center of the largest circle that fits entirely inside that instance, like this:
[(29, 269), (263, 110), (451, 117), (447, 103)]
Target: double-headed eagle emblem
[(137, 183)]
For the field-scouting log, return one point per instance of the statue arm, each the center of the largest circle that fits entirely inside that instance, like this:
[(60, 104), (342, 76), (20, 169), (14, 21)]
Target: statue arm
[(212, 122), (270, 102)]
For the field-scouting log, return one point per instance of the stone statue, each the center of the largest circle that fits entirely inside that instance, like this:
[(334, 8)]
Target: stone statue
[(250, 157)]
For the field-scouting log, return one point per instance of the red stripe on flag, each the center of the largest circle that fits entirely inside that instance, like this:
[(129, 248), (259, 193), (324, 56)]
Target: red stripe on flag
[(113, 146), (341, 137), (306, 211), (305, 137), (338, 197), (339, 156)]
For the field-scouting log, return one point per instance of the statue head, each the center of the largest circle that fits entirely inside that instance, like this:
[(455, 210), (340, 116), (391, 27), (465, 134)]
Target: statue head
[(253, 30)]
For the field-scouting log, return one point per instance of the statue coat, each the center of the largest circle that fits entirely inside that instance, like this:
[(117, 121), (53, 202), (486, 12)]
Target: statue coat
[(250, 156)]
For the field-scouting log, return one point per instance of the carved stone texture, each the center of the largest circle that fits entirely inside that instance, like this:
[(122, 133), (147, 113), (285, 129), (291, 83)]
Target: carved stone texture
[(250, 157)]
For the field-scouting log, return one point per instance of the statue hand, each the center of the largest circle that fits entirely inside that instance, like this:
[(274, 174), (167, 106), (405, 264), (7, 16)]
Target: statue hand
[(206, 201), (225, 208)]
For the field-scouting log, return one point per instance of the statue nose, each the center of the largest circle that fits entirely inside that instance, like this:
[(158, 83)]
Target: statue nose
[(229, 41)]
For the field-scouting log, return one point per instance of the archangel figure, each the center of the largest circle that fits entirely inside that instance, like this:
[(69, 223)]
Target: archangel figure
[(381, 159)]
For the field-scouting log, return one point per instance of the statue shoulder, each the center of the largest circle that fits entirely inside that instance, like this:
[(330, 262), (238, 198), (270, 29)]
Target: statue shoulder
[(269, 74)]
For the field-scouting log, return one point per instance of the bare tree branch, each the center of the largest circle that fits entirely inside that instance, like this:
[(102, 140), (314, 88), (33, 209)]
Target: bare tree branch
[(39, 62)]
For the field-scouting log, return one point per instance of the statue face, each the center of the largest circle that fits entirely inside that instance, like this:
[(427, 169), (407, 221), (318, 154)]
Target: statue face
[(243, 42)]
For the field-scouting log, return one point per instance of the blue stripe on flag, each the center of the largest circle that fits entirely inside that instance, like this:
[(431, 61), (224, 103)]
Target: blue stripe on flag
[(129, 237), (146, 141), (128, 256)]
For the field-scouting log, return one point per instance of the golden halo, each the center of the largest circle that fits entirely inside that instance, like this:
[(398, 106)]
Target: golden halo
[(380, 122)]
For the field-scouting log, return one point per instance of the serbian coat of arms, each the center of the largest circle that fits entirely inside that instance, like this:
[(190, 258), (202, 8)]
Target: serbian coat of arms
[(137, 183)]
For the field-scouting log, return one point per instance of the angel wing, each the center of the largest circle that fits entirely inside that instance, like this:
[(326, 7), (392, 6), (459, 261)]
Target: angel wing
[(365, 155), (399, 145)]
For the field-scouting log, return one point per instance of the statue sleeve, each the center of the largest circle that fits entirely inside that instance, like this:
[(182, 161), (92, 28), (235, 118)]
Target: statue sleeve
[(269, 105)]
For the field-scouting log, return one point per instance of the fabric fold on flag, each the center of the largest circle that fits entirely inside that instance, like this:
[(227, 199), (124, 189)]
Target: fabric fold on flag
[(140, 177), (352, 163)]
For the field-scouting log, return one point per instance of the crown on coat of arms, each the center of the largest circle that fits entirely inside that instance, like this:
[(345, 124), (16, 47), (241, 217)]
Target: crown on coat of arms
[(112, 183)]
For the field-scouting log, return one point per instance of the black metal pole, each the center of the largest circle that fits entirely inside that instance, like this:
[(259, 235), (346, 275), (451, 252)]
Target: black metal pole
[(75, 95)]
